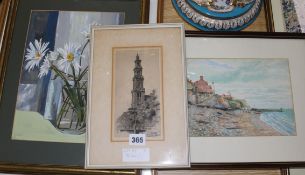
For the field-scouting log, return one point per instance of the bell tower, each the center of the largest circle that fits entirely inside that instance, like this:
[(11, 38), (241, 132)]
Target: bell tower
[(138, 90)]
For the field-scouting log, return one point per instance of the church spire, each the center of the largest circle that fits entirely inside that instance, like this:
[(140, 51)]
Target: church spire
[(137, 57), (138, 91)]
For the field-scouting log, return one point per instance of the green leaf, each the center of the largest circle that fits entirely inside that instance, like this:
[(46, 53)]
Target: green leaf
[(83, 74)]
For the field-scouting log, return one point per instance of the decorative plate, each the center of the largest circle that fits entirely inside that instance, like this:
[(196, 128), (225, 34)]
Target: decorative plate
[(218, 15)]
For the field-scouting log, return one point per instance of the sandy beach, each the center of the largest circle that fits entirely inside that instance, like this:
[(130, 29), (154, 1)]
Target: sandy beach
[(210, 122)]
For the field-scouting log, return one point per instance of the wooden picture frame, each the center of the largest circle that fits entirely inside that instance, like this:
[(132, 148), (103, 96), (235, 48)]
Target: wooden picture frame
[(193, 44), (30, 156), (264, 22), (245, 167)]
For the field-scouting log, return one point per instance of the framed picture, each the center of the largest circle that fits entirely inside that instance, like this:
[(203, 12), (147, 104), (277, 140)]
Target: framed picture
[(218, 15), (222, 172), (45, 48), (143, 93), (288, 16), (245, 101)]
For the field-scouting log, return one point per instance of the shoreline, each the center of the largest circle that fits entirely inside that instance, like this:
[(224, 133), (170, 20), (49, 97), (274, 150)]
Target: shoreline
[(211, 122)]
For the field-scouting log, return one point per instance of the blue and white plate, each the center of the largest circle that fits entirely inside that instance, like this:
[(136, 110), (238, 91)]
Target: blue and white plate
[(218, 15)]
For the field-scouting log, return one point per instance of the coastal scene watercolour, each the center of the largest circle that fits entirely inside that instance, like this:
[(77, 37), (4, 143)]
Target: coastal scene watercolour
[(137, 93), (52, 92), (240, 98)]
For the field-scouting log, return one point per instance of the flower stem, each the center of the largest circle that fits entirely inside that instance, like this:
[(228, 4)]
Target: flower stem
[(80, 62)]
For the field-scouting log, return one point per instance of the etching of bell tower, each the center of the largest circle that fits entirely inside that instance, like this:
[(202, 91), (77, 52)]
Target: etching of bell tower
[(138, 91)]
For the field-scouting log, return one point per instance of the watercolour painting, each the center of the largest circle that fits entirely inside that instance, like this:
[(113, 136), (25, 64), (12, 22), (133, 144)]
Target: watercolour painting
[(137, 88), (240, 98), (52, 92)]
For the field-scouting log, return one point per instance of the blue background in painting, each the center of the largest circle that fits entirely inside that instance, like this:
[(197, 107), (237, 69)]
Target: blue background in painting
[(50, 37), (42, 26)]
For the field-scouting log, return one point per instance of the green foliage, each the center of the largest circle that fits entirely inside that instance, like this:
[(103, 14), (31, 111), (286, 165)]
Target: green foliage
[(234, 104), (75, 97)]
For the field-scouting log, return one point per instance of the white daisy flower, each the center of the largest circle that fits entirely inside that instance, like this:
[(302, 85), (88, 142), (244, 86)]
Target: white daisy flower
[(70, 55), (53, 56), (86, 34), (87, 31), (35, 54), (44, 69)]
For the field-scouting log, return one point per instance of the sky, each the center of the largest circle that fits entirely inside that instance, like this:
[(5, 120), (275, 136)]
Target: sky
[(263, 83)]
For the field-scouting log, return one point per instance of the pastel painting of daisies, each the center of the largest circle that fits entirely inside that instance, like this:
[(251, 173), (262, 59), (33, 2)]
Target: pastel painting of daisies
[(52, 92)]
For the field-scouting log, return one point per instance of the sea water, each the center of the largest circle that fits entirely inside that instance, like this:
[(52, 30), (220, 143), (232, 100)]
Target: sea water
[(283, 122)]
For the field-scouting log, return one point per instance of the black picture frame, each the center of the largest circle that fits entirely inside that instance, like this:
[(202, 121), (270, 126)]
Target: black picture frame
[(284, 166), (15, 15)]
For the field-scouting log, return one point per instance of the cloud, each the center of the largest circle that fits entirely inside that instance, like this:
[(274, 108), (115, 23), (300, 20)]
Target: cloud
[(262, 82)]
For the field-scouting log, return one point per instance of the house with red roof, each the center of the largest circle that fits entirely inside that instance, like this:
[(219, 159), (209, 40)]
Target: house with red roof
[(202, 87)]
